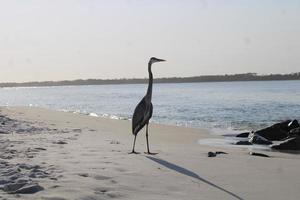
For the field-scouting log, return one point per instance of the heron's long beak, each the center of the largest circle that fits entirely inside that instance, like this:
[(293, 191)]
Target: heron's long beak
[(160, 60)]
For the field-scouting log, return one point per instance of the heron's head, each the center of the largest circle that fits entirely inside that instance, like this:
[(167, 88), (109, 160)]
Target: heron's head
[(154, 60)]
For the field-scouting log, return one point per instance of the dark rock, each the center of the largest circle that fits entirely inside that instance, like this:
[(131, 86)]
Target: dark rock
[(243, 143), (258, 154), (291, 143), (221, 152), (295, 132), (283, 125), (256, 139), (293, 124), (243, 135), (214, 154), (211, 154), (275, 132)]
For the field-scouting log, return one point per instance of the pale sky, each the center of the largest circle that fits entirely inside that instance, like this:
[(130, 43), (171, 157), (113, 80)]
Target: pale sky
[(71, 39)]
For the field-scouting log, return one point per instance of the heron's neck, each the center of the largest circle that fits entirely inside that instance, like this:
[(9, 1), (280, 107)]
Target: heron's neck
[(149, 91)]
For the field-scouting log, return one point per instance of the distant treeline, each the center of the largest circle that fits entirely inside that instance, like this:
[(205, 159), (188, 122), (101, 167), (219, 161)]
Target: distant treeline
[(210, 78)]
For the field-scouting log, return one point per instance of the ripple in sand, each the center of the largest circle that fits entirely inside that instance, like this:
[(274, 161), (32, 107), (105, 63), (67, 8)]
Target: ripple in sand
[(107, 192), (60, 142), (53, 198), (83, 174), (21, 178)]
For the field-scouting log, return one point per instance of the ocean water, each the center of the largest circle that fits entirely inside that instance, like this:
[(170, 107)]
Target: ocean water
[(226, 106)]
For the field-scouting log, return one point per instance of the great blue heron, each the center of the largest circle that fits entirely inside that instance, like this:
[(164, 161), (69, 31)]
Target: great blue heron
[(143, 111)]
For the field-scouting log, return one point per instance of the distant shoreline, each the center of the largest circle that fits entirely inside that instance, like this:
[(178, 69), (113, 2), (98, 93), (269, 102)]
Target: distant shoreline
[(195, 79)]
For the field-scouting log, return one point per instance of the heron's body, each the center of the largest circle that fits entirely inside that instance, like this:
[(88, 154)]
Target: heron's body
[(139, 121), (143, 111)]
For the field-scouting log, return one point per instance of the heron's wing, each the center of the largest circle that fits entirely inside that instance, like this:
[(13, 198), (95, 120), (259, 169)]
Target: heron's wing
[(138, 116), (150, 111)]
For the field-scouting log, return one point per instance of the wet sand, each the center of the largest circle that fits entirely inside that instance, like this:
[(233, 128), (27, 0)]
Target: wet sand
[(57, 155)]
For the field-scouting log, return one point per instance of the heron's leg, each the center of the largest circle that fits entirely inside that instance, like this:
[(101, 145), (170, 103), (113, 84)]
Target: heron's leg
[(147, 138), (133, 146), (148, 151)]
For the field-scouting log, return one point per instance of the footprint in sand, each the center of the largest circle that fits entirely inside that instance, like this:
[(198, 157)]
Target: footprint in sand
[(83, 174), (113, 182), (40, 149), (115, 150), (60, 142), (77, 130), (103, 193), (108, 192), (17, 178), (114, 142), (72, 138), (100, 177), (120, 169), (55, 186), (101, 190)]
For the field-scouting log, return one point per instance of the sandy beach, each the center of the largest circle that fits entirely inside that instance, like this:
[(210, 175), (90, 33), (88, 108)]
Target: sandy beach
[(55, 155)]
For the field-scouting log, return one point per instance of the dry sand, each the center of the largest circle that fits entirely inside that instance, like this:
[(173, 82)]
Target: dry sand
[(72, 156)]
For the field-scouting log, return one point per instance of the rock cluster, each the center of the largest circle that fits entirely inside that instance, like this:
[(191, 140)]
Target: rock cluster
[(286, 132)]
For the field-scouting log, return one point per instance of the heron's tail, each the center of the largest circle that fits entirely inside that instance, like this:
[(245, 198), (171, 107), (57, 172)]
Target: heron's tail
[(136, 129)]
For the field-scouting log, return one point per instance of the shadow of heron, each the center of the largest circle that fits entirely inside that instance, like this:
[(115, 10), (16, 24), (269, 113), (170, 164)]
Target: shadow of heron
[(190, 173)]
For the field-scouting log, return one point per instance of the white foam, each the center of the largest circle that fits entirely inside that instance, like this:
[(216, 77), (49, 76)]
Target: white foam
[(93, 115), (114, 117), (227, 131), (230, 142)]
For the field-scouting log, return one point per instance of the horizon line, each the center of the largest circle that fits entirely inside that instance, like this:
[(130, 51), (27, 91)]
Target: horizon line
[(140, 79)]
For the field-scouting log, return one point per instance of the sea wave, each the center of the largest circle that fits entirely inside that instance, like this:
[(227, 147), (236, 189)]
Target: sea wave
[(221, 107)]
